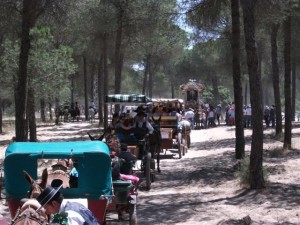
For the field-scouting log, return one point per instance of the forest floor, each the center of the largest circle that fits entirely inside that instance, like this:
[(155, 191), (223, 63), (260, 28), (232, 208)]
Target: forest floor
[(202, 187)]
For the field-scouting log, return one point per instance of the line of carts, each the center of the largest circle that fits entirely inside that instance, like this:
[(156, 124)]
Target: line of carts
[(94, 165)]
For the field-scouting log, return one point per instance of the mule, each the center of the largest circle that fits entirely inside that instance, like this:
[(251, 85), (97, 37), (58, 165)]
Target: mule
[(36, 186), (155, 141), (30, 213)]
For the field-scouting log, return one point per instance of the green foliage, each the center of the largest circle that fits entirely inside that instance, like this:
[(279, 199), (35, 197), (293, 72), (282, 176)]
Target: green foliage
[(49, 66), (224, 92)]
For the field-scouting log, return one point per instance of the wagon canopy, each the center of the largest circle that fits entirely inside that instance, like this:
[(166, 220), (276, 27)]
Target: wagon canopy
[(127, 98), (93, 166), (166, 100)]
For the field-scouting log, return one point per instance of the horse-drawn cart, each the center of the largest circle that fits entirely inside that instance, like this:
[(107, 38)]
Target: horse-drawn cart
[(173, 135), (139, 147), (92, 161)]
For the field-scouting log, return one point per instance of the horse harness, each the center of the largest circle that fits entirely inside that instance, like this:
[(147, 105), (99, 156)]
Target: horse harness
[(29, 216)]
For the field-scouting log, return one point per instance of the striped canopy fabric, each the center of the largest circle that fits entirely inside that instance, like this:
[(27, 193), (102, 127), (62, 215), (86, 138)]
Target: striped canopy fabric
[(127, 98)]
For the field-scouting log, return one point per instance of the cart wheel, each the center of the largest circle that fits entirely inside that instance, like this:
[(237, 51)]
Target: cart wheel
[(132, 216), (179, 141), (148, 170)]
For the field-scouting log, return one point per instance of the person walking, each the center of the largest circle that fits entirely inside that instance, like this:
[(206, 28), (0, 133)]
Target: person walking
[(267, 115), (248, 114), (219, 113), (189, 115), (272, 116)]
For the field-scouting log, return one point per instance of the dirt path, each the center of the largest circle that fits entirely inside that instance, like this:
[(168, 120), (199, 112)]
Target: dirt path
[(201, 188)]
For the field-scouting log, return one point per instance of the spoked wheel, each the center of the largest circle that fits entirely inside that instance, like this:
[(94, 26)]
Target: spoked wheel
[(132, 215), (179, 141), (148, 170)]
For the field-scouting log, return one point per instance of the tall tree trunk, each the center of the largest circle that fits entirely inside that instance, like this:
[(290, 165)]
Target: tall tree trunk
[(31, 115), (293, 90), (100, 89), (50, 111), (146, 72), (118, 53), (43, 116), (246, 93), (22, 79), (151, 78), (1, 116), (105, 79), (72, 87), (275, 77), (86, 108), (92, 90), (287, 84), (256, 156), (237, 81)]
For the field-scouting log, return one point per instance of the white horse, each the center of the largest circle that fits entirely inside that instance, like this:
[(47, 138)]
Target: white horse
[(91, 115)]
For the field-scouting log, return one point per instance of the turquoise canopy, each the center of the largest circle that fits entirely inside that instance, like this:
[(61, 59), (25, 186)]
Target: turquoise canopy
[(92, 159), (127, 98)]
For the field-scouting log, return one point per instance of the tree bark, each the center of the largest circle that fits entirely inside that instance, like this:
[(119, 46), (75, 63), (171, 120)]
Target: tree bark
[(100, 89), (43, 116), (50, 111), (92, 82), (256, 157), (287, 84), (151, 78), (31, 115), (118, 53), (85, 81), (237, 83), (1, 116), (293, 90), (146, 72), (21, 83), (275, 77), (105, 78)]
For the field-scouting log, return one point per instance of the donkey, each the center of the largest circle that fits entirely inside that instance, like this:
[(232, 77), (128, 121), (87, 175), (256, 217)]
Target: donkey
[(155, 141)]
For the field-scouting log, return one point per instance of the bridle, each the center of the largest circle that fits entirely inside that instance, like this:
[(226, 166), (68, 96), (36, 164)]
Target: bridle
[(29, 216)]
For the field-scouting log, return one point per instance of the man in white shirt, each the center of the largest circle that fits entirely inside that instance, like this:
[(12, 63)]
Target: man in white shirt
[(248, 114), (189, 115), (77, 214)]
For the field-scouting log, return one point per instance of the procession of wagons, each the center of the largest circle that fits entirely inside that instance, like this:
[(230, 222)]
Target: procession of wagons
[(94, 187)]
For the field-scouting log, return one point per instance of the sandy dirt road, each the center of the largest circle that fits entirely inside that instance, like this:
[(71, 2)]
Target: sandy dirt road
[(201, 187)]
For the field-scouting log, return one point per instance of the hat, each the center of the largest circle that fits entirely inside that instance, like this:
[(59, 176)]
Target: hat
[(48, 194), (191, 109), (141, 114)]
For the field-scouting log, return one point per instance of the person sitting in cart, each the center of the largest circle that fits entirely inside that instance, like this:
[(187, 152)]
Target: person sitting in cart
[(125, 154), (125, 129), (73, 213), (73, 182), (142, 127), (123, 170)]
